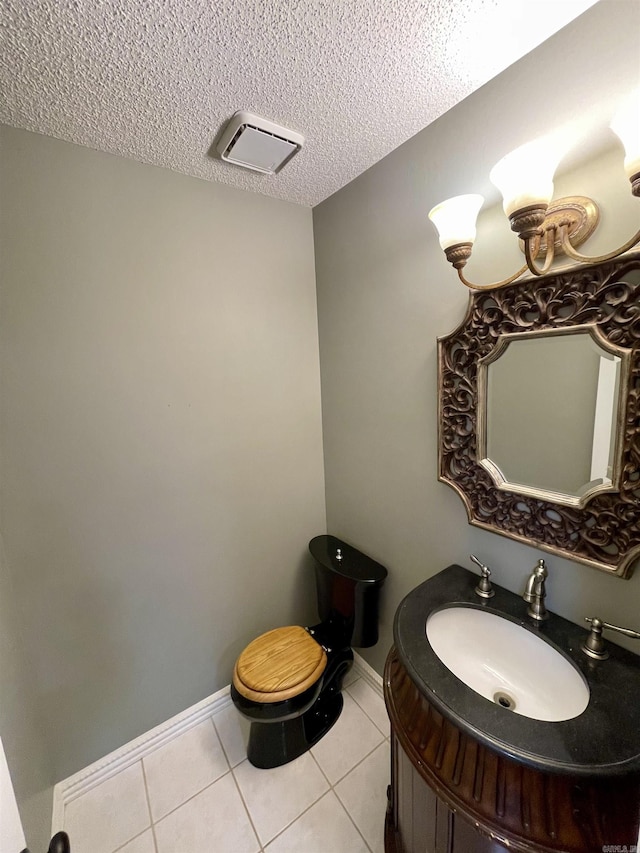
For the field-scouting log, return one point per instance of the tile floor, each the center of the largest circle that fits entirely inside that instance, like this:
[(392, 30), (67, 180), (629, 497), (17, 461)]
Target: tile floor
[(199, 794)]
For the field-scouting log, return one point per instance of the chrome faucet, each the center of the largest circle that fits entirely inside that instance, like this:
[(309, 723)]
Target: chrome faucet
[(535, 592)]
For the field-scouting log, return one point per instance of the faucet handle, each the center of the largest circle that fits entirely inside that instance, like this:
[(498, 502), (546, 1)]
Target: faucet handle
[(594, 644), (483, 589)]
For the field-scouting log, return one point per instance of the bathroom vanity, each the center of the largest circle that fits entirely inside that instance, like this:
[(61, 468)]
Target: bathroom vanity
[(472, 776)]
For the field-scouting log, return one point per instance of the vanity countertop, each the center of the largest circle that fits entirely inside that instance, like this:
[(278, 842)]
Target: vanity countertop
[(604, 740)]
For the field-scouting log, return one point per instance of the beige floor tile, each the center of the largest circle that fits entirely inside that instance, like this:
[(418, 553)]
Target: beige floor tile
[(233, 730), (351, 677), (109, 815), (277, 797), (352, 738), (214, 821), (142, 844), (371, 703), (363, 793), (324, 828), (183, 767)]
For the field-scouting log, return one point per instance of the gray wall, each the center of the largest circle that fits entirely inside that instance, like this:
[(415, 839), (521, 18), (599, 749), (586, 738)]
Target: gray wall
[(385, 293), (161, 439), (21, 724)]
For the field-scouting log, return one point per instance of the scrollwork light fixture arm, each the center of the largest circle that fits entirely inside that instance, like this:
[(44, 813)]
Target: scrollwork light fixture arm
[(502, 283), (568, 249), (530, 252), (525, 179), (532, 246), (562, 226)]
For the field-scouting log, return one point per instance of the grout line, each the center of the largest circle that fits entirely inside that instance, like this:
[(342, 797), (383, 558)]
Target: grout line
[(219, 739), (193, 796), (357, 764), (146, 791), (320, 767), (304, 811), (353, 681), (333, 788), (135, 838), (348, 813), (369, 675), (208, 785), (364, 710), (344, 805), (212, 718), (246, 807), (308, 808), (146, 796)]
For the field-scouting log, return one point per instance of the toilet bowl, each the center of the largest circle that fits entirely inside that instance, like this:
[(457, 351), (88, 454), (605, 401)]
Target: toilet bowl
[(288, 681)]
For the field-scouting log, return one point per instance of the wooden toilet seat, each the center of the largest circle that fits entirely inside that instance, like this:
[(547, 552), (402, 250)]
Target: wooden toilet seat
[(279, 665)]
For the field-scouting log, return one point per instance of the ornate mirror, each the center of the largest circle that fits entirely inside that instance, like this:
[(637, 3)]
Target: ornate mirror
[(539, 412), (549, 405)]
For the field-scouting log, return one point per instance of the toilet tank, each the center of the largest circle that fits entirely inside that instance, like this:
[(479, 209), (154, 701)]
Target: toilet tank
[(348, 585)]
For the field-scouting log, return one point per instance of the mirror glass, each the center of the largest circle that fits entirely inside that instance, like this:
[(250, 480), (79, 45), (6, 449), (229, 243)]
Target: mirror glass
[(550, 411)]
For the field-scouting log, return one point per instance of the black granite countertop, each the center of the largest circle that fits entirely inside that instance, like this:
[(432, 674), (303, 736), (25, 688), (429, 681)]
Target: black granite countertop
[(604, 740)]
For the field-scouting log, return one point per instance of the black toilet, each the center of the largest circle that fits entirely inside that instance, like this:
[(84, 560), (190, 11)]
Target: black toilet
[(288, 681)]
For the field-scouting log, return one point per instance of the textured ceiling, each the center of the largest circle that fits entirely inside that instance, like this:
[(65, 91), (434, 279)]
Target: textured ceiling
[(156, 80)]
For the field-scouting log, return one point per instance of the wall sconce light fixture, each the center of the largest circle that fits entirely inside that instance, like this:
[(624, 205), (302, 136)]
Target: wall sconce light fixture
[(525, 179)]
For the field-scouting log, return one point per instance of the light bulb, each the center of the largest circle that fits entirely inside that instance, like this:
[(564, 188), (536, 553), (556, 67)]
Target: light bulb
[(525, 176), (626, 125), (455, 219)]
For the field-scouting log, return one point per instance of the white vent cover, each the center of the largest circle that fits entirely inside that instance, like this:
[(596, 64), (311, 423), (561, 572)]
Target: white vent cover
[(258, 144)]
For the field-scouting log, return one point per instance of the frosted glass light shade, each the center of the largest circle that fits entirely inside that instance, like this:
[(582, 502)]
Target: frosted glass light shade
[(626, 125), (525, 176), (455, 219)]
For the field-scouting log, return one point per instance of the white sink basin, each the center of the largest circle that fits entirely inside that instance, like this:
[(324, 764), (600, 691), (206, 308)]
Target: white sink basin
[(507, 664)]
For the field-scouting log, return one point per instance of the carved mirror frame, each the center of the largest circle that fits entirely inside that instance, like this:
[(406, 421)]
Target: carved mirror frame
[(605, 531)]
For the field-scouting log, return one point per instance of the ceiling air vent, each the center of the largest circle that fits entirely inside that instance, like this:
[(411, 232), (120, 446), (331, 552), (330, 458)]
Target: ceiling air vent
[(258, 144)]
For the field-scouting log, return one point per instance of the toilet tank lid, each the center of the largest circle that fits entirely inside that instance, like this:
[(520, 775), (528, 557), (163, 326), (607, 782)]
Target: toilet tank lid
[(354, 564)]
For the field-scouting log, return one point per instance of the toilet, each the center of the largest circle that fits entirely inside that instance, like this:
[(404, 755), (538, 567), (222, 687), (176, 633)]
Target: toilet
[(288, 682)]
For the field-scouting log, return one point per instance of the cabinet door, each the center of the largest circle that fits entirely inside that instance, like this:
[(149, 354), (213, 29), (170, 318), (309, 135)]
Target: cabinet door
[(414, 806), (456, 835), (465, 838), (423, 823)]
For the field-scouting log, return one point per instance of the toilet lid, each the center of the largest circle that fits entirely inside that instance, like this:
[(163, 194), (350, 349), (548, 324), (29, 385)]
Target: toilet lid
[(279, 665)]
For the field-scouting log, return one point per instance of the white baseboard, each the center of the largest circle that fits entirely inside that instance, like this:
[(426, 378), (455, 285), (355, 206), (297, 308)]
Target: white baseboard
[(74, 786), (78, 784)]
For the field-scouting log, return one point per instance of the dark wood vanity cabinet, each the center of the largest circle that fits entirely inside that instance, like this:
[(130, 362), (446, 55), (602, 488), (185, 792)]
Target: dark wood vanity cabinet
[(418, 821), (450, 793)]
